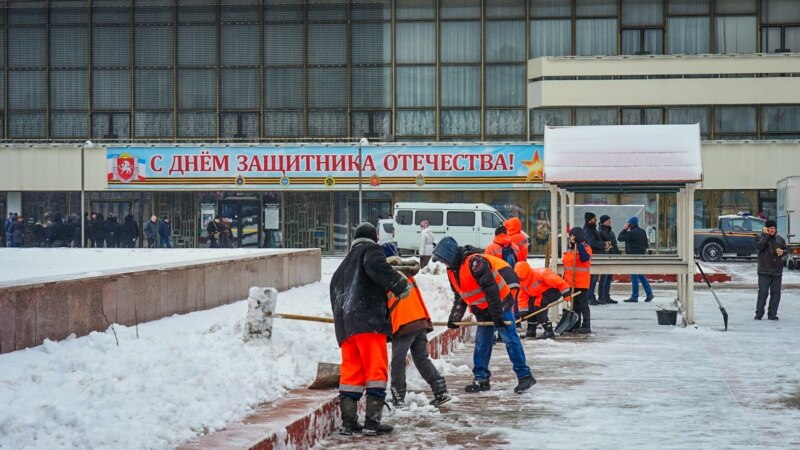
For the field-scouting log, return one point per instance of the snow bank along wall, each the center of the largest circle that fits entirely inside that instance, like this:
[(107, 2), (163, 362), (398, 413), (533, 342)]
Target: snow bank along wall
[(30, 313)]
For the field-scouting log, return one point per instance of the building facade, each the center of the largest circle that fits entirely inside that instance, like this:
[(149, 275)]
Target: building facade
[(275, 73)]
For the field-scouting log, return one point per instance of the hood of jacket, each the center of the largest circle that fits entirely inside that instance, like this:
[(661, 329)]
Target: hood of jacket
[(502, 240), (513, 226)]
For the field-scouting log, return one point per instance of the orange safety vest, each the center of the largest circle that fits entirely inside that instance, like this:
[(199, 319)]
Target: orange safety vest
[(534, 283), (496, 247), (573, 263), (469, 289), (409, 309)]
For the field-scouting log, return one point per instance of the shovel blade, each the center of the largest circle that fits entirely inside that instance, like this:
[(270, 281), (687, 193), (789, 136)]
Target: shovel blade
[(724, 317), (327, 376), (568, 321)]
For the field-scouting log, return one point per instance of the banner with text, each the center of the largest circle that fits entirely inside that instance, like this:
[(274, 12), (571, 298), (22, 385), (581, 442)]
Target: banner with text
[(385, 167)]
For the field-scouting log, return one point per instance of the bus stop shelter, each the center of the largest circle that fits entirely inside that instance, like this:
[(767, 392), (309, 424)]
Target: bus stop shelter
[(627, 159)]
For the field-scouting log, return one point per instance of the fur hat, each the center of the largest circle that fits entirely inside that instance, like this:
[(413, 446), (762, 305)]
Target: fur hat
[(408, 267)]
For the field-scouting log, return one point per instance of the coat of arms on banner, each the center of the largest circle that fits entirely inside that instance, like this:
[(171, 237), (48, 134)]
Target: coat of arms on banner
[(125, 168)]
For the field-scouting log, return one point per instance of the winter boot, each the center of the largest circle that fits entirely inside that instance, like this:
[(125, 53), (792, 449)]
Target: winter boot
[(398, 396), (593, 301), (349, 408), (610, 301), (530, 333), (477, 386), (372, 423), (584, 330), (548, 331), (649, 298), (440, 395), (524, 384)]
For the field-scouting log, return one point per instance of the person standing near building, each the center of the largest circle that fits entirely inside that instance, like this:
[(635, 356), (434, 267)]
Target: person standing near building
[(165, 232), (213, 232), (635, 240), (425, 243), (772, 254), (18, 231), (610, 242), (151, 232), (112, 231), (411, 324), (577, 273), (129, 232), (361, 321), (593, 240), (485, 284), (225, 233), (539, 288), (518, 237), (98, 231), (7, 229)]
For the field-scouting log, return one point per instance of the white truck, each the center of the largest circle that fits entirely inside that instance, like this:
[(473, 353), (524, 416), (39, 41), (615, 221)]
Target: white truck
[(788, 206)]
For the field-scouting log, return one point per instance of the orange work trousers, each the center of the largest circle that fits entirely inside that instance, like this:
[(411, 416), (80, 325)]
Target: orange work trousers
[(365, 366)]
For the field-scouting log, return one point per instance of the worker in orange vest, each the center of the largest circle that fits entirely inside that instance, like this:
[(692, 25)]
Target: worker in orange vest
[(411, 324), (486, 285), (361, 323), (538, 288), (577, 272), (518, 237)]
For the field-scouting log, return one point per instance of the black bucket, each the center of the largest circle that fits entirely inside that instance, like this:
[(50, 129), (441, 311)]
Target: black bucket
[(667, 317)]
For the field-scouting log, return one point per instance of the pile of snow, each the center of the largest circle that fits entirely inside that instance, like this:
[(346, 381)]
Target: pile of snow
[(183, 376)]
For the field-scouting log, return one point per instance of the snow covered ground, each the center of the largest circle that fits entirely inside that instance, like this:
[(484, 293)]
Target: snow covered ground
[(190, 374), (38, 264), (183, 376)]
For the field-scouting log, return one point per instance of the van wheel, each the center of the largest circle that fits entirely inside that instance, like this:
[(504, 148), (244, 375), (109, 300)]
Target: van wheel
[(712, 252)]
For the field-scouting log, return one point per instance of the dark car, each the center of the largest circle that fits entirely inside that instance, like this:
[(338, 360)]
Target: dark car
[(734, 234)]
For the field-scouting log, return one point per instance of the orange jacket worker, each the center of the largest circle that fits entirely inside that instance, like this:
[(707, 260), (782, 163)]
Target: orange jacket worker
[(538, 288)]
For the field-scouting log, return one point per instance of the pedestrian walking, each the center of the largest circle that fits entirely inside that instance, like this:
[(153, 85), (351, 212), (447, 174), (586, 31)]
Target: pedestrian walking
[(486, 285), (361, 321), (7, 229), (151, 232), (610, 242), (18, 231), (772, 255), (226, 235), (411, 324), (577, 273), (635, 240), (213, 229), (425, 243), (539, 288), (592, 238)]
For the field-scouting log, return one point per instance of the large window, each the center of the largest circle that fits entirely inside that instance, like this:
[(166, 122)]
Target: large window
[(780, 122), (780, 31), (735, 26), (735, 122), (642, 27)]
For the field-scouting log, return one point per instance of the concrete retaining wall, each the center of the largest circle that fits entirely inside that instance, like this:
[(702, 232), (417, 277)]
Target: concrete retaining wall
[(54, 310)]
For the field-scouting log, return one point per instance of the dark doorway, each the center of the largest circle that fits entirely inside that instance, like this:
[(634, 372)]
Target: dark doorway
[(245, 221)]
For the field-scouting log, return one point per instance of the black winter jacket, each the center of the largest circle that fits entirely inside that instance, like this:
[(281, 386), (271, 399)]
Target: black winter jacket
[(358, 291), (481, 270), (607, 235), (593, 239), (129, 230), (769, 263), (635, 240)]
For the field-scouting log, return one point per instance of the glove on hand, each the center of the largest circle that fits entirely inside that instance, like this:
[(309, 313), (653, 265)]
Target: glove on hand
[(452, 325), (406, 292)]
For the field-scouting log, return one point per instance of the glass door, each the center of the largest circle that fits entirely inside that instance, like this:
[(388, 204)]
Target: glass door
[(245, 221)]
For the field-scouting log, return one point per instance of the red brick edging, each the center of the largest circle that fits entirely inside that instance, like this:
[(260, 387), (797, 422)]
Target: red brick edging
[(302, 418)]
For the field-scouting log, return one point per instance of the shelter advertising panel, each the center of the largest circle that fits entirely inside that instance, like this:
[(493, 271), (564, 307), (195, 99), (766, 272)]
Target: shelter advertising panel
[(390, 167)]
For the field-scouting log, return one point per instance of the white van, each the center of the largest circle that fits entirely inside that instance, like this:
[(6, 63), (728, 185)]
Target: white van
[(467, 223)]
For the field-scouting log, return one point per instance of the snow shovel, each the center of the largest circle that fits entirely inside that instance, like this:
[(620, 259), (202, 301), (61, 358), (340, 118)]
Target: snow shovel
[(721, 308)]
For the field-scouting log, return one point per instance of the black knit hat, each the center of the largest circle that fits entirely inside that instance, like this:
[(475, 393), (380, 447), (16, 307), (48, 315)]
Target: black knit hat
[(603, 218), (588, 216), (577, 232), (771, 223), (500, 230)]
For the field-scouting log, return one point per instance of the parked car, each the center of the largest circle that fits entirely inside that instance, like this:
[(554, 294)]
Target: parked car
[(735, 235)]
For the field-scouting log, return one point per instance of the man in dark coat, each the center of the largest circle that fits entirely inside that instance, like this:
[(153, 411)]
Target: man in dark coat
[(151, 232), (361, 320), (213, 230), (635, 240), (128, 232), (165, 232), (97, 231), (592, 238), (112, 231), (18, 231), (610, 242), (772, 254)]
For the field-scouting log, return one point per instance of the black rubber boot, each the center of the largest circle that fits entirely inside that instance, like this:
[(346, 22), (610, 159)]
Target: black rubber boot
[(524, 384), (548, 331), (349, 408), (440, 395), (372, 423), (584, 330), (398, 397), (530, 333), (477, 386), (610, 301)]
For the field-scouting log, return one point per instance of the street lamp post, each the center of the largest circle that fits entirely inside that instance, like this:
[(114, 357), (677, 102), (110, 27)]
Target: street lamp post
[(362, 142)]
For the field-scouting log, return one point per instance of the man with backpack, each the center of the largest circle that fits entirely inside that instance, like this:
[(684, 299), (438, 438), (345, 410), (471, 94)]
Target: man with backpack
[(502, 247)]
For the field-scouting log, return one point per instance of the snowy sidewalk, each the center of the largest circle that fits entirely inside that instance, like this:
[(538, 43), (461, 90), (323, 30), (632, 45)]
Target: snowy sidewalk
[(633, 384)]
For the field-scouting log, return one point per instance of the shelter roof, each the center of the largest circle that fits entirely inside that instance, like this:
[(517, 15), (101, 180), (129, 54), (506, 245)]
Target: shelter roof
[(622, 155)]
